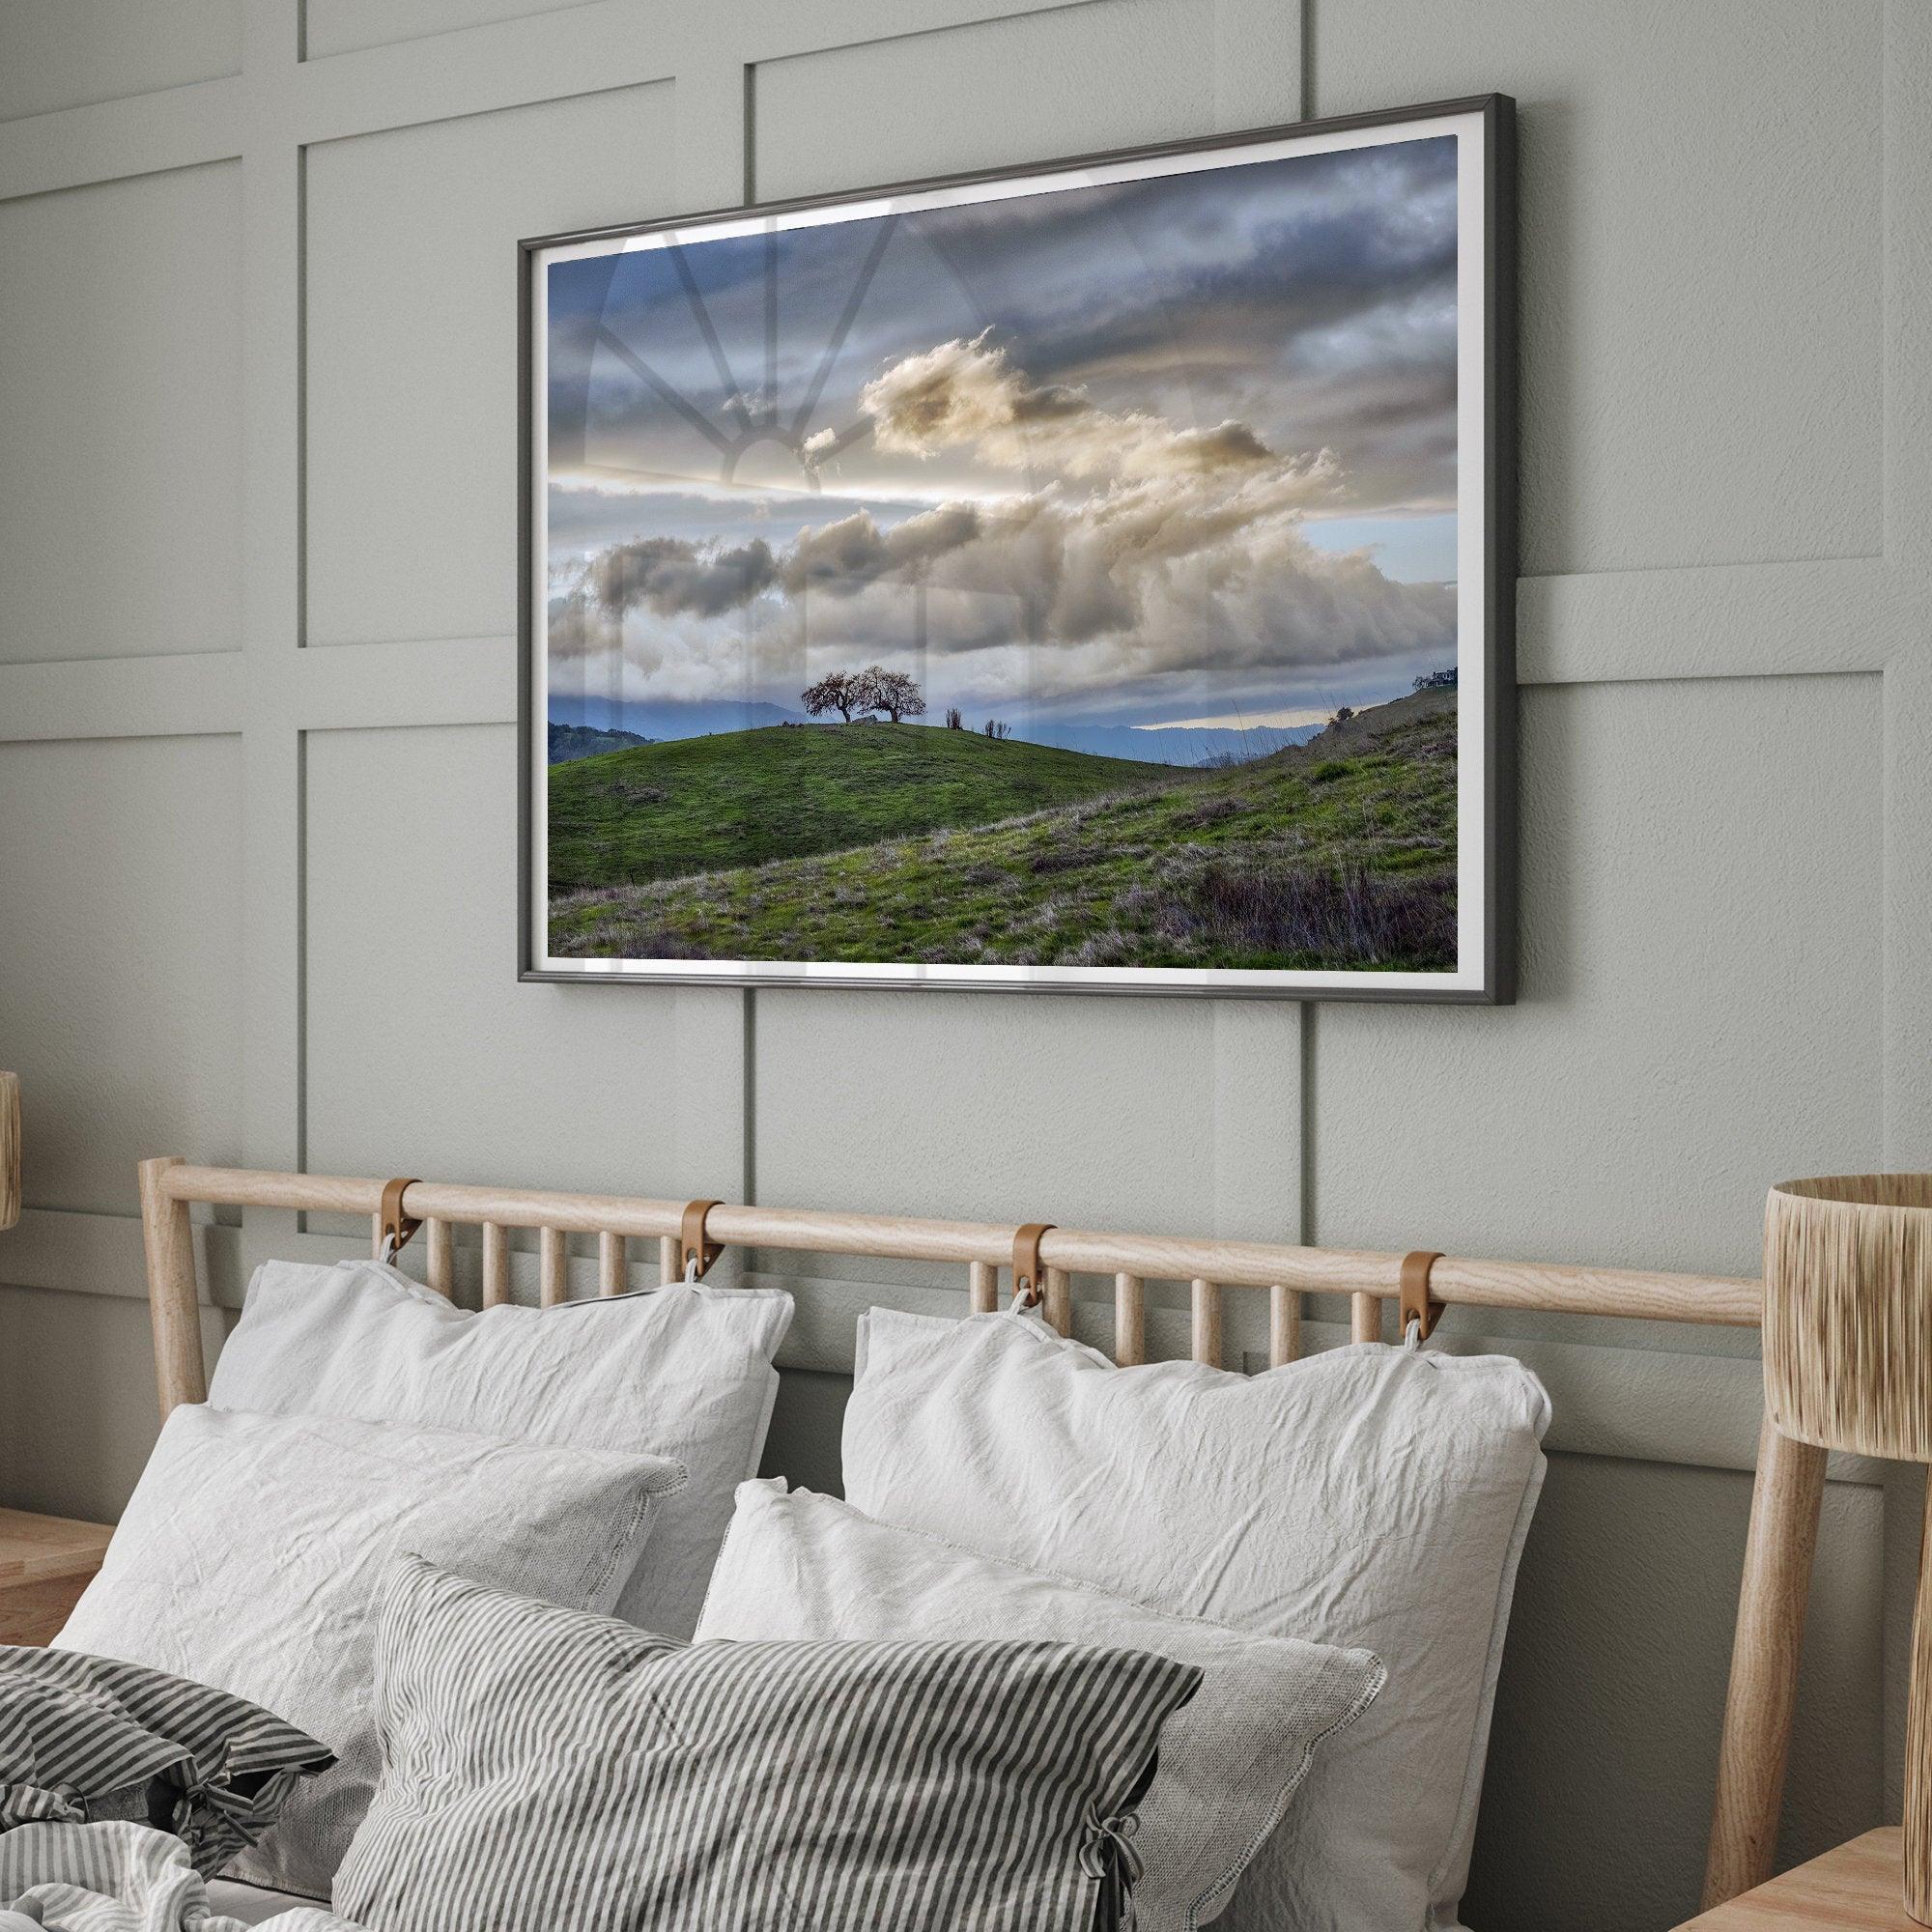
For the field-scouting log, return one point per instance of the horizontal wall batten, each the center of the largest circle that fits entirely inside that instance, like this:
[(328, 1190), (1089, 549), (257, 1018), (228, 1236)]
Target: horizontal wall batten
[(1724, 620), (142, 134), (70, 1253), (485, 70), (591, 49), (435, 681), (194, 695)]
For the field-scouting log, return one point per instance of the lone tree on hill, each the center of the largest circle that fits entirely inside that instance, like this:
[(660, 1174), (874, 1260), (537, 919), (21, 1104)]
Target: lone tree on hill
[(895, 694), (836, 691), (858, 692)]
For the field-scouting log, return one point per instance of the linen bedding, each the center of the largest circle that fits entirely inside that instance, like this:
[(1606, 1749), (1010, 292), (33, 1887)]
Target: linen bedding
[(683, 1373), (1369, 1495), (121, 1877), (251, 1555)]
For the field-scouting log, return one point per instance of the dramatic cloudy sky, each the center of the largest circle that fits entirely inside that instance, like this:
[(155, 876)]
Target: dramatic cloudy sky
[(1167, 451)]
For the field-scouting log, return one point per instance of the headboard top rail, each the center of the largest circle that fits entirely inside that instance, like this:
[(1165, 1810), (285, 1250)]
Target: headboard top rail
[(1637, 1294)]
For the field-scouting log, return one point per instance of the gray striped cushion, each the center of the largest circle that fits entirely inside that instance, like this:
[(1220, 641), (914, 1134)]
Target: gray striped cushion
[(85, 1738), (550, 1770)]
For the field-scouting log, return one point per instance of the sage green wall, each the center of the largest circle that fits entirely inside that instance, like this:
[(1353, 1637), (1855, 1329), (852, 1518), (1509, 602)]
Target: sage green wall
[(257, 692)]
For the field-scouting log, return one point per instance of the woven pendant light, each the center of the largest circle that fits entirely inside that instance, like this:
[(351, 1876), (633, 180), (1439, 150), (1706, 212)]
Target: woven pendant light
[(1848, 1365)]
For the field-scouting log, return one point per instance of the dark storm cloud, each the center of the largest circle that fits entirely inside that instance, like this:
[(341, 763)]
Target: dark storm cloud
[(842, 558), (1281, 293), (674, 577)]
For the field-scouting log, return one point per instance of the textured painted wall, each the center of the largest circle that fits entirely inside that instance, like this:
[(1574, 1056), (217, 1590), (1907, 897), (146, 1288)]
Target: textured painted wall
[(257, 693)]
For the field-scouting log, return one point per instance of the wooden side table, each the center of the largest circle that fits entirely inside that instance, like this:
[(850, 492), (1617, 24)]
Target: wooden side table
[(1859, 1887), (46, 1563)]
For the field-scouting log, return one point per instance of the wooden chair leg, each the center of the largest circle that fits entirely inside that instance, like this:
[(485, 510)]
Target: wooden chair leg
[(1785, 1500)]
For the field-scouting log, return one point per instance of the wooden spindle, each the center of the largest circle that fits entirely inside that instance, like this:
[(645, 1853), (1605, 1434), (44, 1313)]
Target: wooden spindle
[(1206, 1323), (1365, 1318), (376, 1237), (1129, 1320), (613, 1277), (983, 1287), (496, 1264), (553, 1266), (1283, 1325), (441, 1236), (669, 1269), (1059, 1300)]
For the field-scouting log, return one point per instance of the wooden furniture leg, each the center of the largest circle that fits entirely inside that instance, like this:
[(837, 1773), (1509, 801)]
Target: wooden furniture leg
[(173, 1300), (1919, 1740), (1785, 1500)]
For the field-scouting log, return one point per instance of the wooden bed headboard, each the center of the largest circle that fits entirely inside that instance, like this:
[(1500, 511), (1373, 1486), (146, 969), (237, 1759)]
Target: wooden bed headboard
[(1785, 1499)]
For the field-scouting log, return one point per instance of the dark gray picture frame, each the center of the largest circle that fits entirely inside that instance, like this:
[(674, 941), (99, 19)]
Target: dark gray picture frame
[(1491, 649)]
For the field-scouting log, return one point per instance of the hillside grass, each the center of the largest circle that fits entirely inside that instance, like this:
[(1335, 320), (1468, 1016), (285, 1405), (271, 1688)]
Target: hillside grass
[(744, 797), (1341, 853)]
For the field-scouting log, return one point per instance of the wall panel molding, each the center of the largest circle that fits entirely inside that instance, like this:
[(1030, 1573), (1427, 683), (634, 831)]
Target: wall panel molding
[(143, 135), (196, 695)]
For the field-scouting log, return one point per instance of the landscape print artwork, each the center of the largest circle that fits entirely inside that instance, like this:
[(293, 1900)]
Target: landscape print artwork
[(1065, 579)]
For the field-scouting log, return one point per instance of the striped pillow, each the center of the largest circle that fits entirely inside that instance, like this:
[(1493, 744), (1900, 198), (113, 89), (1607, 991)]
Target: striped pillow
[(87, 1738), (550, 1770)]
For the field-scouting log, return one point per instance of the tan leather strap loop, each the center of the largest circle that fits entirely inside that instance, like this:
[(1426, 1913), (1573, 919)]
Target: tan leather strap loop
[(393, 1225), (693, 1245), (1418, 1305), (1029, 1277)]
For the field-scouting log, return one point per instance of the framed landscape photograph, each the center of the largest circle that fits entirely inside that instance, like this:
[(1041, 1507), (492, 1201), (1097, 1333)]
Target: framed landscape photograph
[(1096, 577)]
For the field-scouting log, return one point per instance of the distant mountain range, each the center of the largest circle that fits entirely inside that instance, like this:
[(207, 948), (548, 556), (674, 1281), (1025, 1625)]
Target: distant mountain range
[(669, 721), (596, 718), (1172, 743), (585, 741)]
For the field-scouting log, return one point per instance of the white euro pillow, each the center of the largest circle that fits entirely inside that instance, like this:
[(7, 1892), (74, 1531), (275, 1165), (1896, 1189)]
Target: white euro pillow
[(684, 1372), (805, 1567), (253, 1553), (1373, 1496)]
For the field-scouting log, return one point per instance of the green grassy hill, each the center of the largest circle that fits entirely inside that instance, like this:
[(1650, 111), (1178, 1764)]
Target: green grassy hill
[(663, 812), (1338, 853)]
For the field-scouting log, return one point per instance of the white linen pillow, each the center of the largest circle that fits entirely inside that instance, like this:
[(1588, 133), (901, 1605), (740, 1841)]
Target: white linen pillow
[(253, 1553), (805, 1567), (684, 1372), (1373, 1496)]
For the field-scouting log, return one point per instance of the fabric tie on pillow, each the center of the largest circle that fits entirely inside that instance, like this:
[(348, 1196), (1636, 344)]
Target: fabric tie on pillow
[(37, 1804), (88, 1738), (1109, 1854)]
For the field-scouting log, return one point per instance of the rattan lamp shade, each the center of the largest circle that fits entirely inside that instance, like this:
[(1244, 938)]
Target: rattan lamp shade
[(1848, 1365), (10, 1148), (1848, 1313)]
